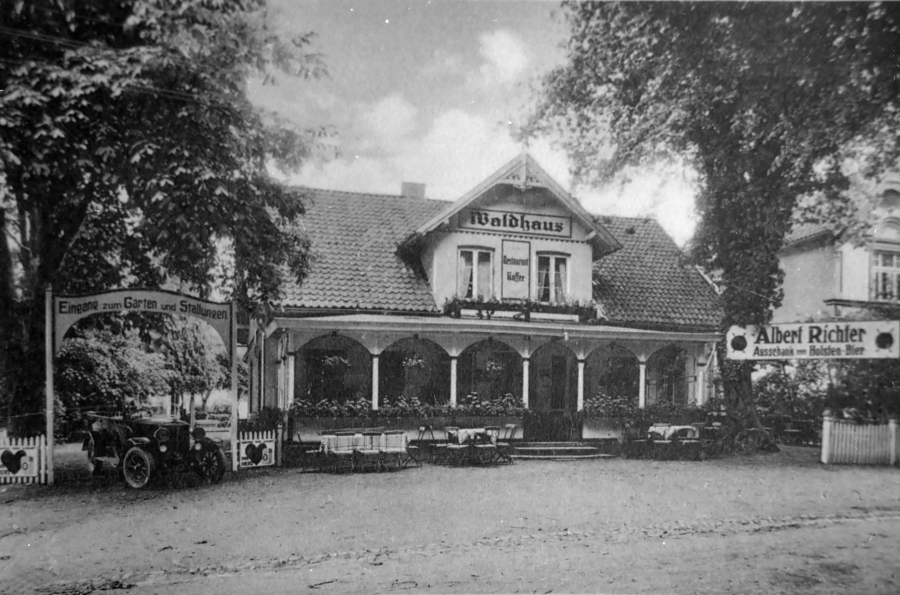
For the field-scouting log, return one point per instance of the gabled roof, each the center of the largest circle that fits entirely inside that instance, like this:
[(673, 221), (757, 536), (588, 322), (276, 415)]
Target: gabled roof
[(648, 284), (354, 265), (801, 232), (524, 172)]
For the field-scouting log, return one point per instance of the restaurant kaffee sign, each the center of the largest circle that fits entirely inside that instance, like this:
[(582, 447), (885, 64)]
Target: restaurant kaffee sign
[(877, 339)]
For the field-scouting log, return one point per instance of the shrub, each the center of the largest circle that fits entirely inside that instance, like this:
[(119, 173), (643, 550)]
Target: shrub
[(507, 404), (403, 406), (603, 405), (264, 420)]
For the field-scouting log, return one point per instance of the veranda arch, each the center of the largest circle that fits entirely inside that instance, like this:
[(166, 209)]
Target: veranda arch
[(413, 367)]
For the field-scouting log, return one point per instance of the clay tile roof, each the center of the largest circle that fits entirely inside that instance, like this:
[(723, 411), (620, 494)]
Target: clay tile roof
[(805, 231), (354, 238), (647, 284)]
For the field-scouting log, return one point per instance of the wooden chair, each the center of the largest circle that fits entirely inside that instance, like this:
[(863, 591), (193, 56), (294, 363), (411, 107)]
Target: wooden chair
[(440, 453), (339, 451), (368, 454), (416, 451), (483, 449), (456, 453), (395, 449), (504, 448)]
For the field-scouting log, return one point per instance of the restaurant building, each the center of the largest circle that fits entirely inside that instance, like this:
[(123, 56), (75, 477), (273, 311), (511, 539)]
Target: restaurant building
[(514, 289)]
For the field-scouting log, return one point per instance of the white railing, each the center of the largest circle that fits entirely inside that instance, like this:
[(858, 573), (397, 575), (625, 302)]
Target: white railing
[(259, 449), (24, 460), (849, 442)]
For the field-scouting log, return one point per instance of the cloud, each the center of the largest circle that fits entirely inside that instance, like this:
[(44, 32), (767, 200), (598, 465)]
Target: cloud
[(385, 126), (461, 149), (506, 59), (664, 193), (442, 65)]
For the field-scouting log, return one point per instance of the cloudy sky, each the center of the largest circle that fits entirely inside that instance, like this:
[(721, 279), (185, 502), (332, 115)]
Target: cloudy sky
[(426, 91)]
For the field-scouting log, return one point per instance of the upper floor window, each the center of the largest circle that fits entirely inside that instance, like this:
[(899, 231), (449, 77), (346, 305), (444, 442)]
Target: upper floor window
[(886, 270), (886, 262), (552, 277), (476, 273)]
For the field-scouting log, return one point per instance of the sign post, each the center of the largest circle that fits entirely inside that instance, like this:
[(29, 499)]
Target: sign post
[(873, 339), (49, 324), (235, 456)]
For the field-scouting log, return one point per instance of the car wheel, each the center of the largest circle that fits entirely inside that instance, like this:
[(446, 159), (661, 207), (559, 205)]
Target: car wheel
[(138, 467), (211, 464)]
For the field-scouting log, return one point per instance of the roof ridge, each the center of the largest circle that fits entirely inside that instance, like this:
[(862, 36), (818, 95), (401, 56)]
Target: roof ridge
[(361, 194), (629, 217)]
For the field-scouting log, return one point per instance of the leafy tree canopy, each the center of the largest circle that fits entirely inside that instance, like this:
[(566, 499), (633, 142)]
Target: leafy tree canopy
[(765, 101), (102, 370), (130, 153)]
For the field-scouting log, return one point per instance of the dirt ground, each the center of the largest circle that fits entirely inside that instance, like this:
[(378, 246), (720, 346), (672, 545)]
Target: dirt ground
[(777, 523)]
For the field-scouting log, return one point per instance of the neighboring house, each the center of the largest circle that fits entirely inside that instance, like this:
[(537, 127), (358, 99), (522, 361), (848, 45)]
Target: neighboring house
[(827, 275), (514, 289)]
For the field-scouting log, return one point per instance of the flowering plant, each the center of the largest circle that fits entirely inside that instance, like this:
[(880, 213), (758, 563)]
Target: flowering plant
[(413, 362)]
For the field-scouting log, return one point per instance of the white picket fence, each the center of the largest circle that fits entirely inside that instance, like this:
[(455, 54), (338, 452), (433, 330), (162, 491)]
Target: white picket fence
[(259, 449), (852, 443), (24, 460)]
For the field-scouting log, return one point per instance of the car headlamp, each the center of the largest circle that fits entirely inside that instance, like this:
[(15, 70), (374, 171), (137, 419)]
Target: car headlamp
[(161, 435), (198, 433)]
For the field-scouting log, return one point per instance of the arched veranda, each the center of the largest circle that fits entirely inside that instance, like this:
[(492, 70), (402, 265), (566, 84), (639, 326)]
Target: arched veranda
[(613, 371), (414, 369), (489, 368), (334, 368)]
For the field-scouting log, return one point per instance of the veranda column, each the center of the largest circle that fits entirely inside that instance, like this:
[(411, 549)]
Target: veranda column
[(289, 389), (642, 384), (701, 383), (453, 381), (290, 379), (525, 362), (279, 390), (580, 385), (374, 383)]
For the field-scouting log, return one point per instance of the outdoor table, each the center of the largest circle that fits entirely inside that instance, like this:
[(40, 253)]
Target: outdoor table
[(667, 431), (480, 443), (472, 435)]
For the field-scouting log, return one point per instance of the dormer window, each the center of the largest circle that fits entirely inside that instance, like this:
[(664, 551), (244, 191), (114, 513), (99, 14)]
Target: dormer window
[(476, 273), (552, 277)]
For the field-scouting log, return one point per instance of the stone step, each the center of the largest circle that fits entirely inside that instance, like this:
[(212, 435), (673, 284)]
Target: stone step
[(522, 457), (557, 450)]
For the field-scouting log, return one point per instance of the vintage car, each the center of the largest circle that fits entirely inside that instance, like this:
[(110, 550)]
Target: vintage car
[(141, 446)]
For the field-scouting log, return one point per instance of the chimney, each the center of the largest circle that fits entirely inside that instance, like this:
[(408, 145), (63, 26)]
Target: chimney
[(412, 190)]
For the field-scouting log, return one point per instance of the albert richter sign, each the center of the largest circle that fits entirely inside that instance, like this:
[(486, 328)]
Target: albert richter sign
[(876, 339)]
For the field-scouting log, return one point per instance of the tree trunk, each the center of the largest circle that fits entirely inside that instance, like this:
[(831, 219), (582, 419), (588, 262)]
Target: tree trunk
[(204, 399), (25, 359), (741, 404)]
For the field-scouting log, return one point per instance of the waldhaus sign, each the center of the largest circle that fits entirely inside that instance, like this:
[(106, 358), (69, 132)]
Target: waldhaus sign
[(876, 339)]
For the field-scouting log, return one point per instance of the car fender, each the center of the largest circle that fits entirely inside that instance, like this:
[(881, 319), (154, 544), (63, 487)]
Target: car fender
[(138, 441)]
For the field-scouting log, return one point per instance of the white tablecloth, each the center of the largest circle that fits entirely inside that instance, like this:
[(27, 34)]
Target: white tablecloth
[(467, 434), (668, 431)]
